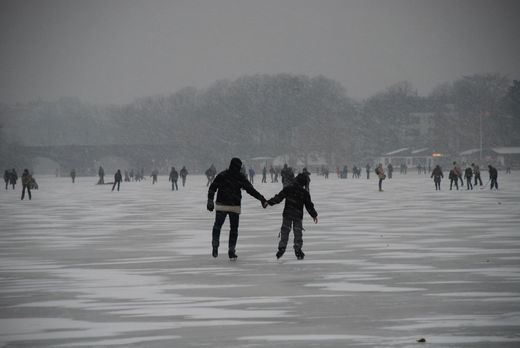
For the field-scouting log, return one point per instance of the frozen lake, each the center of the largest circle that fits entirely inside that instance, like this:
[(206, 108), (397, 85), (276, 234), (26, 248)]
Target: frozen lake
[(83, 266)]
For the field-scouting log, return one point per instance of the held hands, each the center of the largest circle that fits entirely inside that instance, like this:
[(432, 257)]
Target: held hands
[(265, 204), (210, 205), (315, 220)]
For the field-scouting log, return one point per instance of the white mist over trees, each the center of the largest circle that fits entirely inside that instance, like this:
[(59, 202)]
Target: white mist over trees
[(271, 115)]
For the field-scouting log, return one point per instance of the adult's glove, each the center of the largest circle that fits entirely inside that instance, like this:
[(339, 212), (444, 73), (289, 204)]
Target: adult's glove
[(210, 205), (264, 202)]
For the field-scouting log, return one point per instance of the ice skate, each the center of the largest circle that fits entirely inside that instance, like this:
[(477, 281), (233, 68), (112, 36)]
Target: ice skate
[(232, 255), (299, 254), (214, 252), (280, 252)]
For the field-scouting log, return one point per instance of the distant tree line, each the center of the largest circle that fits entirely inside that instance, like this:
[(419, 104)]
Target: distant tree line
[(270, 115)]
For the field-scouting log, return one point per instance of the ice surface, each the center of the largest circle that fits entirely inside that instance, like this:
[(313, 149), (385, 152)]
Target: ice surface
[(83, 266)]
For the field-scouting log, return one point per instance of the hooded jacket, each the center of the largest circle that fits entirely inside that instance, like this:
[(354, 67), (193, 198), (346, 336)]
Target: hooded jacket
[(295, 198), (228, 185)]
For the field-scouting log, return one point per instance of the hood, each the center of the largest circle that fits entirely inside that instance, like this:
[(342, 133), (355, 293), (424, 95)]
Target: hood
[(235, 165), (302, 179)]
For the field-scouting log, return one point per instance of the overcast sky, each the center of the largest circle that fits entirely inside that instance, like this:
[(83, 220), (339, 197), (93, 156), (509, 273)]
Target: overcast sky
[(115, 50)]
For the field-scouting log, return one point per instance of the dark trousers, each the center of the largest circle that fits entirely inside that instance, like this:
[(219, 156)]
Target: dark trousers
[(118, 183), (494, 183), (468, 182), (380, 184), (220, 217), (477, 177), (183, 180), (456, 181), (174, 185), (28, 191), (286, 229), (437, 184)]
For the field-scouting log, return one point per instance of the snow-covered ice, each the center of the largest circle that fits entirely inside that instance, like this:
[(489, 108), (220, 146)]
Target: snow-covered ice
[(83, 266)]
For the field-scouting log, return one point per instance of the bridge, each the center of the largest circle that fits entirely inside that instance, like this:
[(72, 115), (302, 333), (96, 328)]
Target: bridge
[(86, 159)]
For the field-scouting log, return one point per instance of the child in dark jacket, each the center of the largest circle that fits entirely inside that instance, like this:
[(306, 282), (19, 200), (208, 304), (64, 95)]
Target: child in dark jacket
[(295, 197)]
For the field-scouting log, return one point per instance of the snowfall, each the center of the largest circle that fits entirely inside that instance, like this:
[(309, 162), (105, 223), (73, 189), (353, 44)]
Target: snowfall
[(81, 265)]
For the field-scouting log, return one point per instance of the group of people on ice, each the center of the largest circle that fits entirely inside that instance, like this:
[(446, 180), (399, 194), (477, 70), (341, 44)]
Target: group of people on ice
[(28, 182), (227, 185), (138, 175), (456, 174)]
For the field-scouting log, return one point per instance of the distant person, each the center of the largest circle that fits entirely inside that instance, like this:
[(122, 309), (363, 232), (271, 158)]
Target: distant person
[(101, 174), (118, 177), (367, 168), (493, 176), (468, 173), (211, 172), (287, 175), (7, 177), (184, 174), (390, 168), (458, 171), (174, 176), (73, 175), (437, 175), (252, 175), (154, 175), (326, 172), (127, 176), (13, 178), (476, 173), (26, 183), (264, 175), (271, 171), (454, 178), (381, 175), (228, 185), (296, 197)]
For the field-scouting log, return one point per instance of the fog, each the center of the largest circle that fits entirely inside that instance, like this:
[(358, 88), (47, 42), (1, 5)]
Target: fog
[(110, 52)]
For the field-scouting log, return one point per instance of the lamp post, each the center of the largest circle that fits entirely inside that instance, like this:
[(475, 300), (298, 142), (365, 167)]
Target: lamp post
[(480, 122)]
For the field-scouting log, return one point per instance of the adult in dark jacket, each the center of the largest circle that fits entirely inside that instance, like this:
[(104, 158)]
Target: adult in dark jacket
[(468, 174), (493, 176), (184, 174), (117, 179), (101, 174), (210, 174), (7, 177), (174, 176), (437, 175), (228, 185), (454, 178), (13, 178), (296, 197)]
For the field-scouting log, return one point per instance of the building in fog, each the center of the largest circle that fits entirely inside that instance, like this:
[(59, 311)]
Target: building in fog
[(412, 158)]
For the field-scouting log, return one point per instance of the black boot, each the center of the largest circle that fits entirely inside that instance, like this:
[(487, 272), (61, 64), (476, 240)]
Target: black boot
[(232, 255), (280, 252), (214, 252), (299, 254)]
